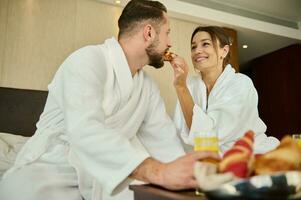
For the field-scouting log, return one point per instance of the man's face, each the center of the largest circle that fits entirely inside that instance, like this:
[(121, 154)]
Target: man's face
[(155, 57), (159, 46)]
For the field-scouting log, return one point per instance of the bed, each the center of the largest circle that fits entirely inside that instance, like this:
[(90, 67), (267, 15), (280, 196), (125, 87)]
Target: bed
[(19, 112)]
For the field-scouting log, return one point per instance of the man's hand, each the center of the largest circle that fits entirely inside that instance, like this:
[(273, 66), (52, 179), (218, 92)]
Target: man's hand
[(175, 175), (179, 174)]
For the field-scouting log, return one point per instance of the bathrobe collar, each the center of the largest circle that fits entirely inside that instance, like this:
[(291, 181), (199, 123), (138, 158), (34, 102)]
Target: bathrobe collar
[(121, 67), (226, 76)]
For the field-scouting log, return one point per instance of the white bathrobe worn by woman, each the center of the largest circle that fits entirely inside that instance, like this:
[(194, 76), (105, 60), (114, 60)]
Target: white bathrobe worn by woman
[(230, 111), (98, 125)]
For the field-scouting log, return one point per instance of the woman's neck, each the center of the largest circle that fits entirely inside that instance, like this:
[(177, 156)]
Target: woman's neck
[(209, 77)]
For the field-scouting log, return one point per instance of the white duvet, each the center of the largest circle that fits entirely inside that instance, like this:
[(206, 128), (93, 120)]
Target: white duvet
[(9, 147)]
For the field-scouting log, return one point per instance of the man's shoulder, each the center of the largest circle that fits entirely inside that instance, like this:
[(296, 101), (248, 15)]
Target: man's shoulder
[(86, 60), (87, 51), (82, 58), (148, 80)]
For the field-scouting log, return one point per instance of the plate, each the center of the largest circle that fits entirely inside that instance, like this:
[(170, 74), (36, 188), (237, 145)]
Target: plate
[(282, 186)]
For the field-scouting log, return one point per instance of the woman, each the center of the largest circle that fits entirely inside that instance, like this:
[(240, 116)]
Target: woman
[(218, 100)]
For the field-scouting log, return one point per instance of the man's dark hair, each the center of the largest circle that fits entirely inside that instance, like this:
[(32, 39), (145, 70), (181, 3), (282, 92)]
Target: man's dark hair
[(137, 11)]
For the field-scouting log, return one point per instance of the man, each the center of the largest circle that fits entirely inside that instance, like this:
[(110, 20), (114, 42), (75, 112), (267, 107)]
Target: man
[(104, 121)]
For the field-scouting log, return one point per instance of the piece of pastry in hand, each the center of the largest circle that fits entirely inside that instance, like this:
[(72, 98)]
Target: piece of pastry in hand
[(207, 177), (287, 156), (167, 56), (239, 158)]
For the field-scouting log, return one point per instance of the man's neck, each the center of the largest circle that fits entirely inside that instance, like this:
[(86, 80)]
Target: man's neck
[(134, 53)]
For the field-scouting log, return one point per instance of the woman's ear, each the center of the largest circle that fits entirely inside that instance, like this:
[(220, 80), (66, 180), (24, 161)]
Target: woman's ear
[(225, 51)]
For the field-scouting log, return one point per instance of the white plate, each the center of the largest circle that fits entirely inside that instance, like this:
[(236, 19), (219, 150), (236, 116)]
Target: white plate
[(283, 185)]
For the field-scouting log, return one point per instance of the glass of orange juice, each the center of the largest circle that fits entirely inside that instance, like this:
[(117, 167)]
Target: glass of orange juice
[(206, 141), (297, 138)]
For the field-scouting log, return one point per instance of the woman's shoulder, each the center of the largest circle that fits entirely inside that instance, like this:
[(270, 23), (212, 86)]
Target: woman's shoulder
[(242, 80), (238, 87), (230, 77)]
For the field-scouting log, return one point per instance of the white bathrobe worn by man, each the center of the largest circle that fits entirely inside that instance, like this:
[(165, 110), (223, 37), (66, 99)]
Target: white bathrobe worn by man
[(229, 111), (98, 125)]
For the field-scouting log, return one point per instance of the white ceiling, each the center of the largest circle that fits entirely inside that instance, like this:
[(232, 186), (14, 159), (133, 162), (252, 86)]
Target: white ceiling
[(264, 25), (282, 9)]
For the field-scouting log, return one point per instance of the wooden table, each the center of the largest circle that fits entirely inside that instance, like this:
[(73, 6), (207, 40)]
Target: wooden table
[(151, 192)]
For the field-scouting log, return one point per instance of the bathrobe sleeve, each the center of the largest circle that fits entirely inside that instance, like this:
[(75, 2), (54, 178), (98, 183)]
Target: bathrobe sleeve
[(103, 152), (182, 129), (158, 132)]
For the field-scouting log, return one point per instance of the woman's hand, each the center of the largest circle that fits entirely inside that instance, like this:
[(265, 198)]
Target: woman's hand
[(180, 68)]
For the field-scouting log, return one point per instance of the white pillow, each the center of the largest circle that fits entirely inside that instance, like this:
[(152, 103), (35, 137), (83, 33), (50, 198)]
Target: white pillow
[(10, 145)]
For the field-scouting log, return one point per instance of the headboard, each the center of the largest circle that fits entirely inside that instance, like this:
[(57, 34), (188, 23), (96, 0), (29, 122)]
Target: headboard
[(20, 110)]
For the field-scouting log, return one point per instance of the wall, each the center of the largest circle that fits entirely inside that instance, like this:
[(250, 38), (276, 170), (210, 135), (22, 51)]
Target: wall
[(36, 37), (276, 77)]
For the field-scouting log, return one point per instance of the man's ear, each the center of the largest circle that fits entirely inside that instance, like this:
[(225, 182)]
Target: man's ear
[(149, 32)]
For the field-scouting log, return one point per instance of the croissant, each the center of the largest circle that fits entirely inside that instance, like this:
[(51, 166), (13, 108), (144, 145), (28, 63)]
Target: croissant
[(239, 158), (167, 56), (287, 156)]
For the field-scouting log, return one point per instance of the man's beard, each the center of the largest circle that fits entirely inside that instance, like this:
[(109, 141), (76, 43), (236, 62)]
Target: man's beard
[(155, 58)]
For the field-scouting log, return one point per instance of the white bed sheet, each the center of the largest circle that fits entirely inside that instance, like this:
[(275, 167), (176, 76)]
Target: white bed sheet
[(10, 145)]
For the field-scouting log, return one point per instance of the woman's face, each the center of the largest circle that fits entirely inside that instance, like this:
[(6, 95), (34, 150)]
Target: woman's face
[(204, 56)]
